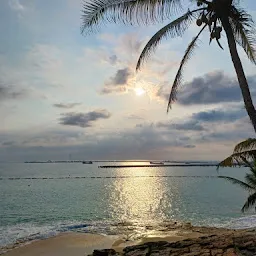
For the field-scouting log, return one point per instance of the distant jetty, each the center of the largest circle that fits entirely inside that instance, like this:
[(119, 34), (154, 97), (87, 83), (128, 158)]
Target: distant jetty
[(157, 165)]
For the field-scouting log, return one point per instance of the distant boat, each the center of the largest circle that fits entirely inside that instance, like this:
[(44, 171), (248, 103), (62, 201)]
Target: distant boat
[(87, 162), (156, 163)]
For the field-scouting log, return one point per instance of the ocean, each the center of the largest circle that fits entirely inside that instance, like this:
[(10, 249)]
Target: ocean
[(42, 200)]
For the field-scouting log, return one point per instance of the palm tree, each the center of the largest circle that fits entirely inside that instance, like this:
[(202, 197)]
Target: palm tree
[(244, 154), (214, 14)]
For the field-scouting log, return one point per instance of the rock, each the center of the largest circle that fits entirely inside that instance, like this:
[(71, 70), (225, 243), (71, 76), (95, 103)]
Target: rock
[(215, 252), (227, 243), (230, 252), (104, 252)]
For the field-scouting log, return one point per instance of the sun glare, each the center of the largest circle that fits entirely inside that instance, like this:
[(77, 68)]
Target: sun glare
[(139, 91)]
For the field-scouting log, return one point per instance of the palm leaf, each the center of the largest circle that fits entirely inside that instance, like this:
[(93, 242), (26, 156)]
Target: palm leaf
[(98, 12), (250, 179), (238, 158), (245, 145), (178, 78), (244, 31), (174, 29), (250, 202), (237, 182), (249, 164)]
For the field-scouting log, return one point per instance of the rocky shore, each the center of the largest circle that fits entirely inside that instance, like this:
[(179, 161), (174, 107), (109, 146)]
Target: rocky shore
[(212, 242)]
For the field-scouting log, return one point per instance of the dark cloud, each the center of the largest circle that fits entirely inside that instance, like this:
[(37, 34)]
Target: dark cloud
[(198, 120), (11, 93), (83, 119), (211, 88), (189, 146), (8, 143), (218, 115), (113, 59), (121, 77), (190, 125), (117, 83), (66, 105)]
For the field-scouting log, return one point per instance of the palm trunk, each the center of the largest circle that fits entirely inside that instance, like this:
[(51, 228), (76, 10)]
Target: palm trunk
[(239, 71)]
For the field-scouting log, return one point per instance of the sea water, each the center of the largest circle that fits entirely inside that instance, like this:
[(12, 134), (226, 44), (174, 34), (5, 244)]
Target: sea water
[(42, 200)]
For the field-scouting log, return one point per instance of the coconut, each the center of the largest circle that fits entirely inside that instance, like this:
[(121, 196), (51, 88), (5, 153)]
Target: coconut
[(213, 34), (217, 35), (204, 18), (199, 22), (219, 29)]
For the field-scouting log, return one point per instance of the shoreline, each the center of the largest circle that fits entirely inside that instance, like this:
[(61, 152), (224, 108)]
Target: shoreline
[(78, 243)]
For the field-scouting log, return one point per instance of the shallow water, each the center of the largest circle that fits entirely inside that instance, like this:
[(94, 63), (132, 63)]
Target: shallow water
[(63, 197)]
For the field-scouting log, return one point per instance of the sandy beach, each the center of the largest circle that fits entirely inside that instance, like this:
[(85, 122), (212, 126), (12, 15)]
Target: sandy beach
[(78, 244), (75, 244)]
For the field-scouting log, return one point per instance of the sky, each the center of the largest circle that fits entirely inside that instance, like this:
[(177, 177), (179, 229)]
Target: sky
[(68, 96)]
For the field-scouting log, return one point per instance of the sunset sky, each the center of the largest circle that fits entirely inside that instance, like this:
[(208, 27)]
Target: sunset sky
[(63, 94)]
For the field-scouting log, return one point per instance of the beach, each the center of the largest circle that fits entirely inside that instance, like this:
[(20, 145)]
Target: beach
[(63, 245), (78, 244)]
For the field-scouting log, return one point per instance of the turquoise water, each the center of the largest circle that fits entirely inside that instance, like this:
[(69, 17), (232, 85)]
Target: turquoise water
[(63, 197)]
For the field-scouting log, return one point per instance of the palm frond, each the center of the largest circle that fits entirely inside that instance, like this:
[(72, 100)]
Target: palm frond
[(237, 182), (178, 78), (244, 31), (174, 29), (250, 202), (133, 12), (238, 158), (250, 179), (245, 145)]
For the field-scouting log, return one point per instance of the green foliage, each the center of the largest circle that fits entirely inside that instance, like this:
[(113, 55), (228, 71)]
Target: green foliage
[(244, 154)]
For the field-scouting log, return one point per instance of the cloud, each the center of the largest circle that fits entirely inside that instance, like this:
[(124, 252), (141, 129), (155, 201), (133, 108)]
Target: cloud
[(212, 88), (198, 121), (113, 59), (16, 5), (218, 115), (83, 119), (135, 117), (11, 93), (117, 83), (148, 142), (128, 144), (8, 143), (190, 125), (66, 105), (189, 146), (161, 140)]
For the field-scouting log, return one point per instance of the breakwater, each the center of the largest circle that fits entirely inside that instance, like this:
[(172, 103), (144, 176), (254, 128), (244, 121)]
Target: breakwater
[(157, 165)]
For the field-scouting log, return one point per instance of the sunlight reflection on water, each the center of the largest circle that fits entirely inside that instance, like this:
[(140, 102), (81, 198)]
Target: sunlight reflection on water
[(143, 200)]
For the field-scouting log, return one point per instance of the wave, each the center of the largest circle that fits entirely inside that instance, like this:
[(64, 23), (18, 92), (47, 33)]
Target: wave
[(241, 223)]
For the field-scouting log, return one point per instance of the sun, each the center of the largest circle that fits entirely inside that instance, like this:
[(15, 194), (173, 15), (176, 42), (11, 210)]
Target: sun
[(139, 91)]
